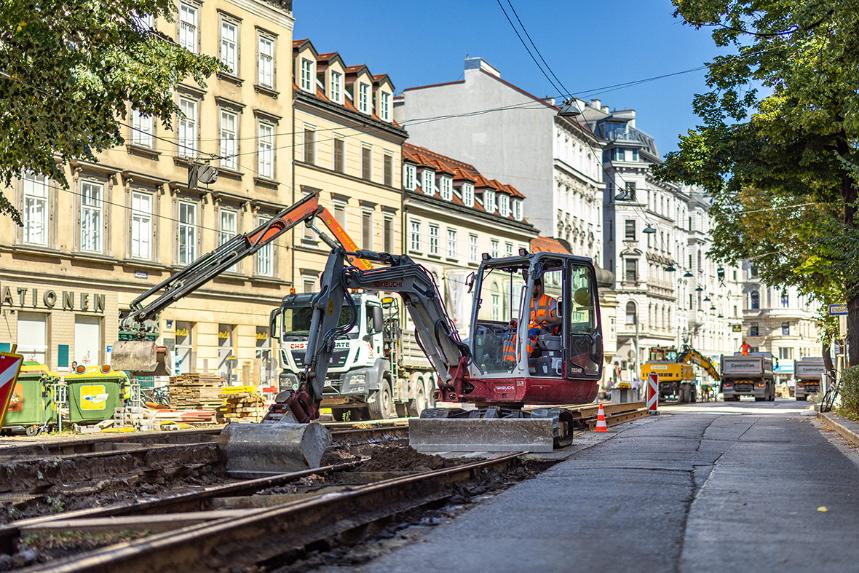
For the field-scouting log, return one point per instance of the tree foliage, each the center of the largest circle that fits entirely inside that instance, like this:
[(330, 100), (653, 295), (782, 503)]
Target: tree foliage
[(70, 68), (777, 144)]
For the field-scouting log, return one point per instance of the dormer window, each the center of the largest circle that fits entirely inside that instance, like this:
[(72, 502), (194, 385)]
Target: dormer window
[(385, 106), (468, 194), (446, 188), (517, 209), (489, 201), (307, 75), (428, 182), (504, 205), (410, 174), (336, 86), (364, 98)]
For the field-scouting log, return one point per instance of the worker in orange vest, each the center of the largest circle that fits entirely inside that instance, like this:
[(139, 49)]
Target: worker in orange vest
[(745, 348), (542, 317)]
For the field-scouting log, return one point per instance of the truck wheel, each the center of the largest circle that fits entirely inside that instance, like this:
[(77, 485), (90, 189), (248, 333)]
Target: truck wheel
[(380, 403), (419, 403), (32, 430)]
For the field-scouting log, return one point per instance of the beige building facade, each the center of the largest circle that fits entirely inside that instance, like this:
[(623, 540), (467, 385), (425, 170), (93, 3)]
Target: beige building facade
[(130, 220), (348, 148)]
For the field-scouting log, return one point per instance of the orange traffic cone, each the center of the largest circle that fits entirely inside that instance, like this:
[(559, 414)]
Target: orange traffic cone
[(601, 427)]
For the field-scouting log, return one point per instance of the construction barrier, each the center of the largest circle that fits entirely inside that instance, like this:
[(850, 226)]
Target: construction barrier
[(652, 394)]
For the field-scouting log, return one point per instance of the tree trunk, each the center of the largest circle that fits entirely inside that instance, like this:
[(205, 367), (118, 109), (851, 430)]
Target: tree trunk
[(827, 357), (849, 192), (853, 329)]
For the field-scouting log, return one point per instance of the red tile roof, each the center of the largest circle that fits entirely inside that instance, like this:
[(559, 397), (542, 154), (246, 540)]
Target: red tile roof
[(548, 245)]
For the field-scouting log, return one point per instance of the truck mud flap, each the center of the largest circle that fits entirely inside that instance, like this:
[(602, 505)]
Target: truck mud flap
[(533, 434)]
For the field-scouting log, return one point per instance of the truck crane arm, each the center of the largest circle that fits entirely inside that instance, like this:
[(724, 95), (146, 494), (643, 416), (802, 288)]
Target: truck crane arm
[(436, 335), (141, 321)]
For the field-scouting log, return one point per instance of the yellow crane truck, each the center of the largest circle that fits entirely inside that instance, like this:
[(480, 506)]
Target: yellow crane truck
[(675, 373)]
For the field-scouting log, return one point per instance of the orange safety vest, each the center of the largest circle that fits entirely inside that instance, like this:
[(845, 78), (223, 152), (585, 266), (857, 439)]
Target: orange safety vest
[(543, 309), (508, 346)]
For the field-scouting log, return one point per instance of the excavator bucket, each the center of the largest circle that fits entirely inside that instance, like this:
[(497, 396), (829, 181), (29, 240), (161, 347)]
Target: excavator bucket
[(267, 448), (140, 357)]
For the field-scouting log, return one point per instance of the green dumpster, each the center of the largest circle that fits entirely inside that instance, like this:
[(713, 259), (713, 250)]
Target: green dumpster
[(33, 403), (94, 393)]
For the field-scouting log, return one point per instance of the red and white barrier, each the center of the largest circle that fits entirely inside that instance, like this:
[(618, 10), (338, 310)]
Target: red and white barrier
[(652, 394)]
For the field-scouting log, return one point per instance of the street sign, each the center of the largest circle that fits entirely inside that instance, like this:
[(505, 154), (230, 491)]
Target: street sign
[(10, 366), (736, 328), (837, 309)]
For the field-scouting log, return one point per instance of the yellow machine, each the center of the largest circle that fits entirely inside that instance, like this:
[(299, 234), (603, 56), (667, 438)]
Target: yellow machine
[(676, 376)]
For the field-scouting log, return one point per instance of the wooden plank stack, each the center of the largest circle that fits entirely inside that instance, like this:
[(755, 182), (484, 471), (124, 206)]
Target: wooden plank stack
[(196, 391), (241, 404)]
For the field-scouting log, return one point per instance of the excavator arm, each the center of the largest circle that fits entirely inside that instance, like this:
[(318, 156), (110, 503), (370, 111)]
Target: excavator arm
[(436, 335), (689, 354), (141, 321)]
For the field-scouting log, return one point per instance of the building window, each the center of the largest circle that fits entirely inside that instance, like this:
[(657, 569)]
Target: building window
[(188, 27), (631, 270), (33, 336), (364, 98), (753, 271), (489, 201), (493, 251), (338, 155), (367, 229), (336, 86), (755, 300), (504, 205), (428, 182), (187, 243), (228, 229), (414, 235), (508, 249), (629, 230), (618, 154), (265, 150), (472, 249), (409, 176), (187, 127), (451, 243), (308, 283), (141, 129), (307, 75), (263, 355), (385, 111), (495, 301), (630, 190), (388, 232), (389, 170), (92, 206), (340, 213), (141, 225), (229, 139), (468, 194), (446, 187), (366, 162), (433, 239), (226, 352), (785, 299), (785, 353), (35, 211), (754, 329), (785, 329), (229, 46), (630, 313), (309, 146), (265, 256), (265, 49), (183, 356), (634, 154)]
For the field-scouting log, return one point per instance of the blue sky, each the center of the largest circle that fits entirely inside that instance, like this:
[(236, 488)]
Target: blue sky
[(588, 45)]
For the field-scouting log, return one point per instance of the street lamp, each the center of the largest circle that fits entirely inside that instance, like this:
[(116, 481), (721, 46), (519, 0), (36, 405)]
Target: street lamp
[(670, 268), (707, 298), (699, 288), (688, 274), (649, 229)]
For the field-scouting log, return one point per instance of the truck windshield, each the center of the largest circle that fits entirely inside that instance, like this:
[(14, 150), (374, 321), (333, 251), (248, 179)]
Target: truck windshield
[(296, 320)]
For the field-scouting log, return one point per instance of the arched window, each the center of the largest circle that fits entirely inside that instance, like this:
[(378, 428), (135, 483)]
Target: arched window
[(755, 300), (630, 313)]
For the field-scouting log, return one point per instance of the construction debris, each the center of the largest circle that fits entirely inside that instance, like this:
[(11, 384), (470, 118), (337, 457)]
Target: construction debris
[(194, 391), (241, 404)]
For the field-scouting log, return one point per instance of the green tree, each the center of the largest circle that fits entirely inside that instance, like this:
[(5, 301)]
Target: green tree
[(70, 68), (777, 144)]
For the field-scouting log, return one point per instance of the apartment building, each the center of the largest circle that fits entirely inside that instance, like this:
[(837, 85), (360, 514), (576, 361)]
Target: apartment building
[(780, 321), (129, 220), (348, 148)]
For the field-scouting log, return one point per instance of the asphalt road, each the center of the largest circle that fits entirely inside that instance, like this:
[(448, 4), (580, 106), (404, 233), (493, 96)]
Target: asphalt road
[(710, 487)]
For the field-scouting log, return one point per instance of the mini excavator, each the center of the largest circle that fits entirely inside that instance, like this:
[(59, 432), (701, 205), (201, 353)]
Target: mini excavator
[(508, 361)]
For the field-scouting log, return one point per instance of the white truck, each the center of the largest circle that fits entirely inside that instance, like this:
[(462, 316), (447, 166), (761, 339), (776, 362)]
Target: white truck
[(809, 374), (748, 375), (369, 371)]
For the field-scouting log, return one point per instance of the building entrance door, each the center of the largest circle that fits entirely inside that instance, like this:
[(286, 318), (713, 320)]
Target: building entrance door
[(87, 340)]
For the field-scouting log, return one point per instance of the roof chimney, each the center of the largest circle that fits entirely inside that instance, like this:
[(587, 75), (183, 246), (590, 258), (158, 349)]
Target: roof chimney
[(477, 63), (604, 109), (596, 104)]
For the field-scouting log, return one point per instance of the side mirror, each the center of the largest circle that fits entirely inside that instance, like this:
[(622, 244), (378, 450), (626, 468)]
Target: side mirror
[(378, 319), (469, 281), (272, 322)]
